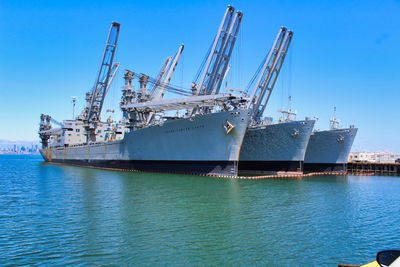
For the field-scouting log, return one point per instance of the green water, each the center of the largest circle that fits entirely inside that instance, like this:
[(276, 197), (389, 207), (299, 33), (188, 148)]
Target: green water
[(58, 215)]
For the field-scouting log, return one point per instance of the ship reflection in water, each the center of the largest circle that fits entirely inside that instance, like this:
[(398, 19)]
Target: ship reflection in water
[(54, 214)]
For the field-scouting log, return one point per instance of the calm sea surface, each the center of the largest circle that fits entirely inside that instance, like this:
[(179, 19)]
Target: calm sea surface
[(57, 215)]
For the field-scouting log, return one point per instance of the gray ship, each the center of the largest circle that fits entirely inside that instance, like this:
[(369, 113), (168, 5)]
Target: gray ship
[(197, 134), (271, 146), (276, 147), (195, 145), (329, 150)]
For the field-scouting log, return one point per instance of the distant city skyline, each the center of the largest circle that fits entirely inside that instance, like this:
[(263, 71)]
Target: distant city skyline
[(344, 54), (19, 147)]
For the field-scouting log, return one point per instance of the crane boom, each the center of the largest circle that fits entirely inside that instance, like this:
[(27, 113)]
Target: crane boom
[(266, 69), (281, 58), (227, 52), (171, 68), (57, 122), (161, 75), (114, 71), (166, 78), (215, 52), (103, 76), (268, 73)]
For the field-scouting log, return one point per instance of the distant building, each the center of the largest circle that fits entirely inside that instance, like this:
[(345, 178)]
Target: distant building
[(374, 157), (19, 147)]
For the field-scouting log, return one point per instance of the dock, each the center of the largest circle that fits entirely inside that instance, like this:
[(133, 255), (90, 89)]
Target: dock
[(375, 168)]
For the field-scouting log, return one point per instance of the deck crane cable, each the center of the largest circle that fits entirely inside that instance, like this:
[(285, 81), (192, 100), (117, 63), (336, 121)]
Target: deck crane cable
[(286, 83), (227, 52), (240, 33), (182, 68), (216, 63), (236, 63), (196, 77), (160, 76), (250, 85), (114, 87), (289, 81), (269, 69), (269, 73), (181, 91), (278, 65), (170, 88), (168, 74)]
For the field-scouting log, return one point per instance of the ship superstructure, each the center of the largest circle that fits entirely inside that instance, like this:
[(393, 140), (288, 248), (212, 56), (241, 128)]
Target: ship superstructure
[(204, 136)]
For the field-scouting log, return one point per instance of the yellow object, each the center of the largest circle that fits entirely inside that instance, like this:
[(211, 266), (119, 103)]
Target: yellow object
[(229, 127), (371, 264)]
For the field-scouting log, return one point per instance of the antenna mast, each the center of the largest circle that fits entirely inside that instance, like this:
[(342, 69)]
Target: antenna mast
[(73, 106)]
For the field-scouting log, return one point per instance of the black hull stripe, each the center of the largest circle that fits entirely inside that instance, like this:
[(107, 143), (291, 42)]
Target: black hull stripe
[(268, 176), (325, 167), (272, 166), (182, 167)]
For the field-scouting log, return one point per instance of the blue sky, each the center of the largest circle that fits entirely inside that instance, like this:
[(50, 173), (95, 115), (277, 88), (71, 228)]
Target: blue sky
[(343, 54)]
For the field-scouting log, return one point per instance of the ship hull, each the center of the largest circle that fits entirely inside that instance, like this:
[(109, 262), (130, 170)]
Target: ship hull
[(329, 150), (164, 166), (276, 147), (198, 145), (325, 167)]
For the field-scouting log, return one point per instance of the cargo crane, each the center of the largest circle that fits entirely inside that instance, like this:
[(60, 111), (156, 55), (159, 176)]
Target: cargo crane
[(105, 75), (44, 126), (210, 72), (222, 67), (89, 94), (114, 71), (267, 74), (160, 85), (159, 91), (161, 75), (46, 130)]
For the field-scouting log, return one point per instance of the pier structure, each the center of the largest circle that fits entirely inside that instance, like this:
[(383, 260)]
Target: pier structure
[(373, 167)]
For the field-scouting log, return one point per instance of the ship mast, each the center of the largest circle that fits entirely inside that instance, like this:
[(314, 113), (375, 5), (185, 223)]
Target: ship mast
[(73, 106), (334, 123), (288, 114)]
